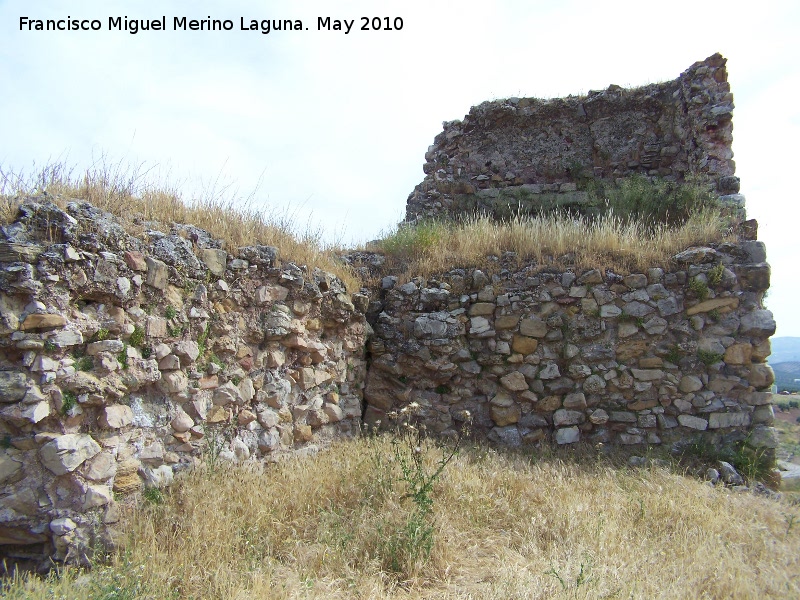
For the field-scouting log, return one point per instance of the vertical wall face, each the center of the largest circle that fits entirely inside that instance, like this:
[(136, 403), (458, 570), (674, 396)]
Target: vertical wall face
[(124, 362), (540, 353), (647, 358), (529, 154)]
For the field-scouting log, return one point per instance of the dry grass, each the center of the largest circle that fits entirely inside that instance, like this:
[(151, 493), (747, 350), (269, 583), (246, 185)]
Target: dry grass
[(606, 242), (128, 192), (507, 526)]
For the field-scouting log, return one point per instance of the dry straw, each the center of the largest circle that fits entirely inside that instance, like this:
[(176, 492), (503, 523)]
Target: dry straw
[(608, 241), (505, 526), (129, 193)]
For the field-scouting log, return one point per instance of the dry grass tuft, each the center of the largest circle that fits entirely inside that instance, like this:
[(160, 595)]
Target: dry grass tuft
[(606, 242), (506, 526), (128, 193)]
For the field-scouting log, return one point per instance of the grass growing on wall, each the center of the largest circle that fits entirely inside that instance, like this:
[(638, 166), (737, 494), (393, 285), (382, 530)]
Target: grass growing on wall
[(609, 241), (651, 202), (505, 525), (128, 192)]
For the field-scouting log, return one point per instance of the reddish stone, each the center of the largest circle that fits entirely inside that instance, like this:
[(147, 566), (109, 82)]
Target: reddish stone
[(135, 260)]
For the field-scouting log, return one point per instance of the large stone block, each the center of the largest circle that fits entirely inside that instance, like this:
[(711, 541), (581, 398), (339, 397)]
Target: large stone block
[(68, 452)]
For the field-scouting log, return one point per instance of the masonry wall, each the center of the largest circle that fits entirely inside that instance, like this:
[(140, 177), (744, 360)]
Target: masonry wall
[(125, 360), (527, 154), (549, 355)]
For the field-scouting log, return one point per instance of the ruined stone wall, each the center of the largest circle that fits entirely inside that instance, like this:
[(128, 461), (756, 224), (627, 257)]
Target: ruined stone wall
[(124, 360), (526, 154), (544, 354)]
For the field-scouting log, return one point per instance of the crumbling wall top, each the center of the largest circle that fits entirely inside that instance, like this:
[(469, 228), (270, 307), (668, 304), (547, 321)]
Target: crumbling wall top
[(542, 151)]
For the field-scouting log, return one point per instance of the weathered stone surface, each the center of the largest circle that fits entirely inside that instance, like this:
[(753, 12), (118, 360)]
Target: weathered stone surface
[(112, 346), (567, 435), (738, 354), (761, 376), (42, 321), (697, 255), (647, 374), (713, 304), (157, 273), (271, 293), (101, 467), (729, 474), (227, 394), (594, 384), (610, 311), (524, 345), (173, 382), (718, 420), (567, 417), (68, 452), (693, 422), (426, 327), (754, 278), (186, 350), (535, 328), (156, 327), (758, 323), (690, 383), (134, 260), (505, 415), (10, 467), (158, 477), (549, 371), (13, 386), (116, 416), (481, 309), (637, 309), (575, 400), (506, 322), (215, 260), (66, 338), (182, 422), (479, 326), (514, 381)]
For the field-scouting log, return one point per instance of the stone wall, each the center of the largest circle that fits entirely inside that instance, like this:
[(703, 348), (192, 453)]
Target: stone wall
[(124, 360), (542, 354), (529, 154)]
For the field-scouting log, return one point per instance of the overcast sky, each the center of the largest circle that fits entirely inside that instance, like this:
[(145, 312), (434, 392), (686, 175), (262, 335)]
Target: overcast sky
[(334, 125)]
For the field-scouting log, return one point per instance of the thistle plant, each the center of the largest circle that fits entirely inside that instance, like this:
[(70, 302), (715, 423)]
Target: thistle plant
[(418, 473)]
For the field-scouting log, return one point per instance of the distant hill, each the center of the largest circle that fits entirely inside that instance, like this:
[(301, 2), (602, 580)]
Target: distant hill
[(784, 349), (785, 375)]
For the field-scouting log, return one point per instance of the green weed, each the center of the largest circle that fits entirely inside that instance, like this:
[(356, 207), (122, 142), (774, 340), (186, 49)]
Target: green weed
[(100, 335), (708, 358), (137, 337), (84, 363), (699, 288), (674, 355), (153, 495), (715, 274), (122, 357), (69, 400)]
